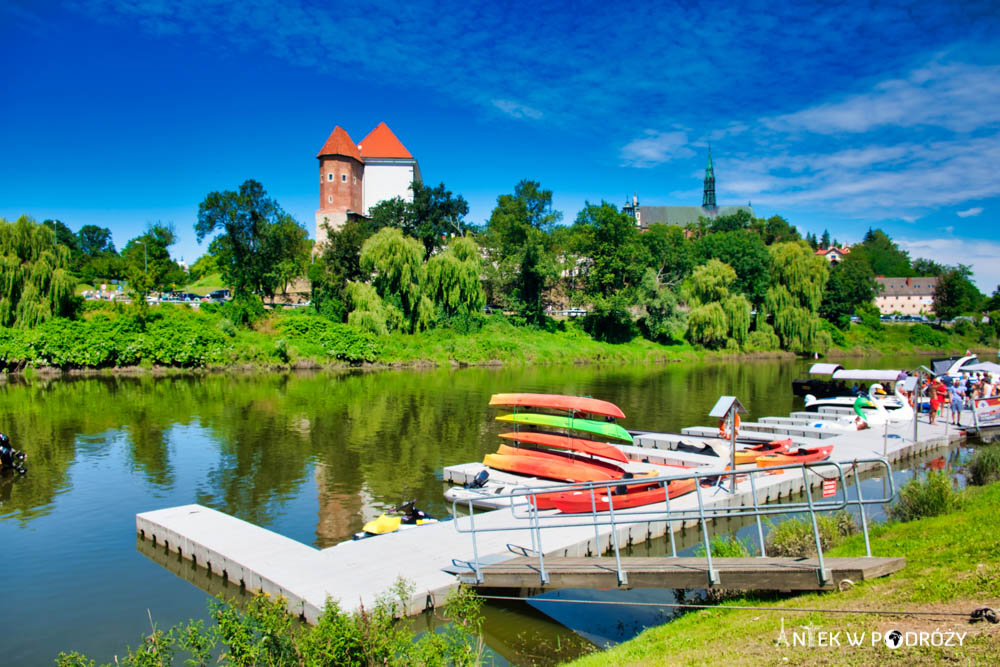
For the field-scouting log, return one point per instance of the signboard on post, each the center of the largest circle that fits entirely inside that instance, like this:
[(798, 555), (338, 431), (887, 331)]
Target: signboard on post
[(986, 411), (728, 409)]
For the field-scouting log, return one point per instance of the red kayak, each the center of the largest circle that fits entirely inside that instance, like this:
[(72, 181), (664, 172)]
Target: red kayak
[(565, 442), (800, 455), (557, 468), (561, 456), (578, 502), (574, 404)]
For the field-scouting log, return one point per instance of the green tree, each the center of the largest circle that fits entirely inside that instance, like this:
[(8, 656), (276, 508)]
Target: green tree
[(710, 282), (670, 253), (522, 262), (286, 251), (746, 253), (399, 275), (852, 285), (612, 244), (256, 235), (147, 261), (824, 241), (97, 257), (432, 216), (95, 241), (884, 256), (798, 279), (35, 282), (955, 293), (775, 229), (928, 267), (206, 265), (453, 278), (731, 223), (663, 321), (708, 325)]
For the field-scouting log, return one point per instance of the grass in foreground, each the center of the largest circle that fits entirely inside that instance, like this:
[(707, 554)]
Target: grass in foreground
[(953, 564)]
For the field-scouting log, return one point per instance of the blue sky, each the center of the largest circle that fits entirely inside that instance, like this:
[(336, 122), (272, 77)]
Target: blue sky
[(835, 115)]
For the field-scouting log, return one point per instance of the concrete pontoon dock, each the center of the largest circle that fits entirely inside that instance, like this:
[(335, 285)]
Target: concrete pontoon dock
[(355, 572)]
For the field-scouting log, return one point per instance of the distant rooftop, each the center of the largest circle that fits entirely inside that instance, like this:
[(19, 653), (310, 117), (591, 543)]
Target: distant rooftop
[(684, 215), (920, 286)]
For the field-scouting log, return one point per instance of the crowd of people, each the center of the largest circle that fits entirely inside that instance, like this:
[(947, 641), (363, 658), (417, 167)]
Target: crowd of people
[(957, 395)]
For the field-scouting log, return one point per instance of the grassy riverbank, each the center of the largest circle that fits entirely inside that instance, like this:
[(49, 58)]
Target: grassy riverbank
[(180, 337), (953, 565)]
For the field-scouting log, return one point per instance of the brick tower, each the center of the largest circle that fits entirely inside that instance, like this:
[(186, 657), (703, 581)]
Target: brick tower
[(341, 175)]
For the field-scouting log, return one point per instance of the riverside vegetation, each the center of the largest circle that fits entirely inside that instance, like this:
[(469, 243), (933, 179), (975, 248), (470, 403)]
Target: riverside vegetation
[(415, 282), (952, 555)]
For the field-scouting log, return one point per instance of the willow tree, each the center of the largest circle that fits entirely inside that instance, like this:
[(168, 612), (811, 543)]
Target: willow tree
[(737, 309), (397, 262), (369, 312), (794, 297), (710, 282), (35, 283), (708, 325), (453, 278)]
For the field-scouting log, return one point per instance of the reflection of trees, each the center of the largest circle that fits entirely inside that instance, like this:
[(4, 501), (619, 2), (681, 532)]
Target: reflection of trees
[(385, 435)]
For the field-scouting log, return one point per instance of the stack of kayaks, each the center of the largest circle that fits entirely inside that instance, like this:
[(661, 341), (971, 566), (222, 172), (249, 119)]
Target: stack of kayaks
[(572, 454), (800, 455), (559, 456)]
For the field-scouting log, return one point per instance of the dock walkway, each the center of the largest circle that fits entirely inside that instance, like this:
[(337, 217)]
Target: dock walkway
[(355, 573)]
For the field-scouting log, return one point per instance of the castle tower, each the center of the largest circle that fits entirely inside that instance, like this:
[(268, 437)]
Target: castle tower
[(390, 169), (708, 197), (341, 175)]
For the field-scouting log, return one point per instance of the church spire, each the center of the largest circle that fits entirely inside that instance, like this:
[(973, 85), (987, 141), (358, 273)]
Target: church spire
[(708, 197)]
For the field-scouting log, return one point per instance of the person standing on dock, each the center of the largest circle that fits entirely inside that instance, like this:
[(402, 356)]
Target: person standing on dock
[(937, 396), (956, 398)]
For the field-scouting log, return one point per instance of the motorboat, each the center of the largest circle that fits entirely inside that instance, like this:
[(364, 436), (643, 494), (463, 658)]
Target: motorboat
[(896, 405)]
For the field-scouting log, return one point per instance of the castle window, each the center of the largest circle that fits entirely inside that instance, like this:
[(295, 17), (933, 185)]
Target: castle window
[(343, 178), (329, 176), (329, 199), (355, 180)]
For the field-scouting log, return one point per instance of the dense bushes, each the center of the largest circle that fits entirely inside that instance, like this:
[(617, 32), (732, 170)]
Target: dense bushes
[(926, 497), (795, 538), (984, 466), (338, 341), (926, 337)]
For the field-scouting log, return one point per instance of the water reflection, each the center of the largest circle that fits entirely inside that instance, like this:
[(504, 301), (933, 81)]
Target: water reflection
[(310, 456)]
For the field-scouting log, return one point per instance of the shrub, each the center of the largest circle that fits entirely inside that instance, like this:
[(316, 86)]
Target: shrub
[(984, 466), (925, 336), (725, 546), (926, 497), (339, 341), (962, 327), (794, 537)]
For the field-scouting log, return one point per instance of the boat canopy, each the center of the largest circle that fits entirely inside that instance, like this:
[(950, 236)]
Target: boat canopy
[(824, 369), (867, 375), (984, 367)]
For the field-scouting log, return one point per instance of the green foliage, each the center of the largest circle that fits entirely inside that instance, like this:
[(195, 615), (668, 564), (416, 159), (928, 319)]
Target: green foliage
[(398, 264), (984, 466), (725, 546), (955, 293), (794, 538), (710, 282), (708, 326), (763, 339), (670, 253), (147, 261), (453, 278), (664, 321), (611, 242), (883, 255), (610, 321), (521, 263), (368, 311), (746, 253), (35, 283), (338, 341), (852, 285), (243, 309), (920, 498), (262, 632), (737, 309), (260, 245), (803, 273), (206, 265), (924, 336)]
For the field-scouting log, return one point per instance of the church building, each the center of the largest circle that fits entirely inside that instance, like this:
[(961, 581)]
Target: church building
[(683, 215), (354, 178)]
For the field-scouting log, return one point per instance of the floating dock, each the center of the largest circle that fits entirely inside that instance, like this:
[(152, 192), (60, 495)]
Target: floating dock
[(355, 573)]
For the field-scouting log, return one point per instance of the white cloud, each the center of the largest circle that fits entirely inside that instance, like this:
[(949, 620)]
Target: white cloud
[(517, 110), (980, 254), (970, 212), (656, 148), (959, 97)]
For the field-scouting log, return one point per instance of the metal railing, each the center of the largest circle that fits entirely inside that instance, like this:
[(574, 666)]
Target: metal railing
[(523, 506)]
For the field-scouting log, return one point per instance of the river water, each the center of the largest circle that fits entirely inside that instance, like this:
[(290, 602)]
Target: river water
[(310, 456)]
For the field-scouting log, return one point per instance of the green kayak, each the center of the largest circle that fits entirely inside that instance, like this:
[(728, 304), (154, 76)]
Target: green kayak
[(606, 429)]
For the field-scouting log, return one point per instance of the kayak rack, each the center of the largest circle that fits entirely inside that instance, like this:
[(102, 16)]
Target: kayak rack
[(743, 501)]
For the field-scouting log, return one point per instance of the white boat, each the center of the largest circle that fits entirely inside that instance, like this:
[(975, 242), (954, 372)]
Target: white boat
[(896, 407), (953, 367)]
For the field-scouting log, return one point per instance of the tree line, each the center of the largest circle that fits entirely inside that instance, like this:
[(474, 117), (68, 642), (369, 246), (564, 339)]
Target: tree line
[(729, 282)]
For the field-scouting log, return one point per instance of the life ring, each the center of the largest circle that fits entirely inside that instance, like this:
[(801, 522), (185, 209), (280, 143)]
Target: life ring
[(723, 433)]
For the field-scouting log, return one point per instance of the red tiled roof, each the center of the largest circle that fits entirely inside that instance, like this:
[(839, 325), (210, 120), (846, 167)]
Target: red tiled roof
[(846, 250), (340, 143), (381, 142)]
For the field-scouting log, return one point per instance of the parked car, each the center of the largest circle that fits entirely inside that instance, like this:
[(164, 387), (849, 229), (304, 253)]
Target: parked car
[(221, 294)]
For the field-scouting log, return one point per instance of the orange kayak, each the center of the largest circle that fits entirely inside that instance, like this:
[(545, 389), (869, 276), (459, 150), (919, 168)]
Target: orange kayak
[(753, 452), (800, 455), (557, 468), (581, 445), (576, 404)]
